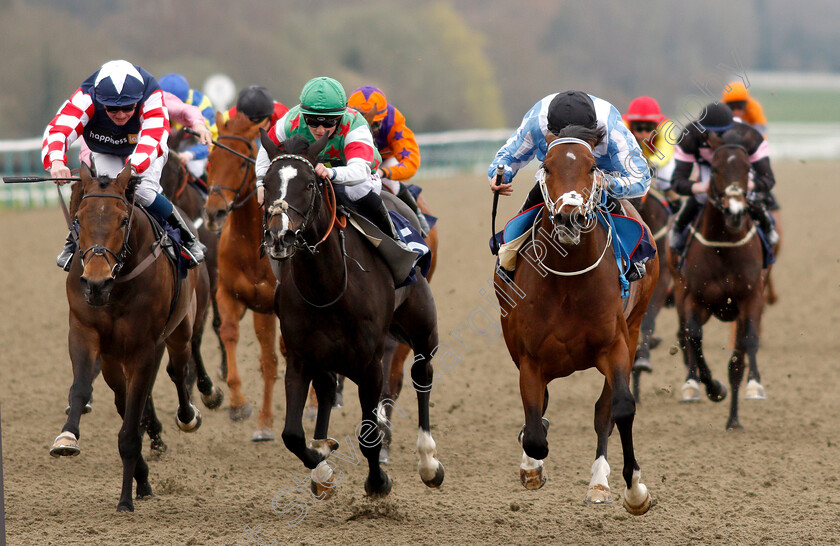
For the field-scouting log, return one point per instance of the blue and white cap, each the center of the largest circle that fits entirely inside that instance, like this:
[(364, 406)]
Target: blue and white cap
[(118, 83)]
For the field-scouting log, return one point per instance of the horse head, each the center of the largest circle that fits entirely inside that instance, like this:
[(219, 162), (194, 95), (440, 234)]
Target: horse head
[(729, 180), (104, 219), (230, 172), (570, 182), (292, 195)]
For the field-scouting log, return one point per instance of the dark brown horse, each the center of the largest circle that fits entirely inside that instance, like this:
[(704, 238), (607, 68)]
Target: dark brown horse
[(656, 213), (245, 277), (721, 275), (337, 303), (126, 305), (566, 314)]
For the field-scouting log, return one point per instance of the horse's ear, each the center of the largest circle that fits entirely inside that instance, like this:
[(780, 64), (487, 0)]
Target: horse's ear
[(122, 180), (269, 145), (88, 174), (319, 145), (715, 140), (220, 120)]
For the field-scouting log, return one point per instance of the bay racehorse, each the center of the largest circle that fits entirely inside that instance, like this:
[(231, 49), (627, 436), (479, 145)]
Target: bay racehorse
[(181, 187), (568, 315), (126, 306), (721, 274), (245, 277), (655, 213), (336, 302)]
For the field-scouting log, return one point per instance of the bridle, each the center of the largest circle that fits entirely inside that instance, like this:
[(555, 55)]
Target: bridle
[(238, 200), (100, 250), (280, 206), (733, 189)]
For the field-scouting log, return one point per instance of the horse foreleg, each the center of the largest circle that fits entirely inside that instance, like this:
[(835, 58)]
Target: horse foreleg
[(139, 380), (293, 434), (599, 486), (636, 496), (393, 364), (746, 343), (265, 327), (532, 437), (697, 367), (84, 354), (231, 311), (378, 483), (422, 375)]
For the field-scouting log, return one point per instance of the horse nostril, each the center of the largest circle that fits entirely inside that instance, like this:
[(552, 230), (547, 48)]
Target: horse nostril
[(288, 238)]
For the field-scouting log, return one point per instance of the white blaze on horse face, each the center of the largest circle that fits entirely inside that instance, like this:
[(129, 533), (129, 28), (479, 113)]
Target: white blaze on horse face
[(287, 173), (736, 206)]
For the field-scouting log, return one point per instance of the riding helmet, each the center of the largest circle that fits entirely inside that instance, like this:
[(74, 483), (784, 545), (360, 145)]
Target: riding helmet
[(716, 117), (323, 96), (255, 102), (643, 109), (367, 99), (571, 108), (118, 83), (175, 84)]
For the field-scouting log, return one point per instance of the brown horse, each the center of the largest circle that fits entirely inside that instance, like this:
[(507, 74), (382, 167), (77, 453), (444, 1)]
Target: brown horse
[(336, 302), (566, 314), (721, 275), (245, 277), (656, 213), (126, 305)]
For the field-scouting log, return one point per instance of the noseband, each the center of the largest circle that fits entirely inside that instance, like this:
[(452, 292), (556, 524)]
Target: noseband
[(731, 190), (586, 205), (100, 250), (280, 206), (247, 163)]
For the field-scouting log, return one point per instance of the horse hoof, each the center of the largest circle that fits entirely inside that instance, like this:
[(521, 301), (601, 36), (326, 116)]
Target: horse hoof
[(718, 393), (384, 455), (640, 509), (310, 412), (655, 341), (87, 409), (734, 426), (125, 507), (263, 434), (599, 494), (144, 491), (65, 445), (158, 448), (642, 365), (240, 413), (339, 401), (193, 425), (435, 482), (533, 478), (322, 482), (381, 491), (690, 391), (754, 391), (214, 399)]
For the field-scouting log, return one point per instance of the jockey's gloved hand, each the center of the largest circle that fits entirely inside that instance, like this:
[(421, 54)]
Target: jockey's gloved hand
[(505, 188)]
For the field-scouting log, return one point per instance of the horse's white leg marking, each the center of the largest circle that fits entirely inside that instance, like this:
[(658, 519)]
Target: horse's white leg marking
[(637, 498), (528, 463), (754, 391), (599, 485), (426, 449), (690, 391)]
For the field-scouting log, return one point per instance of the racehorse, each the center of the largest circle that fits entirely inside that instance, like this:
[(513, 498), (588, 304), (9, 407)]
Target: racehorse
[(245, 277), (721, 275), (178, 185), (655, 212), (336, 301), (575, 318), (126, 305)]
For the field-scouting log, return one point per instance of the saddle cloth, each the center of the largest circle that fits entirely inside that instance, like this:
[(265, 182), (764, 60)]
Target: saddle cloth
[(170, 240)]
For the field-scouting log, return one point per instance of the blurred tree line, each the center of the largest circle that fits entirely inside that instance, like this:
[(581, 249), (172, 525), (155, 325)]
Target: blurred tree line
[(445, 64)]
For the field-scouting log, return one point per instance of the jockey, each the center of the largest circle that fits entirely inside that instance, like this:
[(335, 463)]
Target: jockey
[(193, 156), (618, 153), (120, 113), (350, 158), (744, 108), (694, 148), (395, 142), (256, 103), (649, 127)]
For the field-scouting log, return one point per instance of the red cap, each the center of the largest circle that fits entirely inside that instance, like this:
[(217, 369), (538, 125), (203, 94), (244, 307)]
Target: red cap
[(643, 109)]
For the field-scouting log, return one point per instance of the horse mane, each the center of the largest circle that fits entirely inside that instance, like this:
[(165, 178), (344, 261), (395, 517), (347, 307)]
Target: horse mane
[(593, 136), (297, 145)]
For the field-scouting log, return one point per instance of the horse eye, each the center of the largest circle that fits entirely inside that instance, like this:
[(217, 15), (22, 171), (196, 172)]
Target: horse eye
[(124, 221), (592, 169)]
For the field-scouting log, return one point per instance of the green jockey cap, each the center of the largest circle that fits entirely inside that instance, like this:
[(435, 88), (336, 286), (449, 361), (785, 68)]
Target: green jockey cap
[(323, 96)]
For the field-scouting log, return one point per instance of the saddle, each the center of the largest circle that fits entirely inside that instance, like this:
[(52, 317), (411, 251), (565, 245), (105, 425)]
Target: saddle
[(169, 239), (632, 251)]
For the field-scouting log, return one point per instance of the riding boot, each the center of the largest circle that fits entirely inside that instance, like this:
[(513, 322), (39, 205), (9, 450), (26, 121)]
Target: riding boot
[(189, 242), (406, 197), (66, 257), (761, 216), (535, 197), (373, 208), (677, 236)]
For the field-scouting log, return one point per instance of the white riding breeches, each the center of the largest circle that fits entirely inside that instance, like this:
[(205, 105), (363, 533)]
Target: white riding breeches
[(149, 186)]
